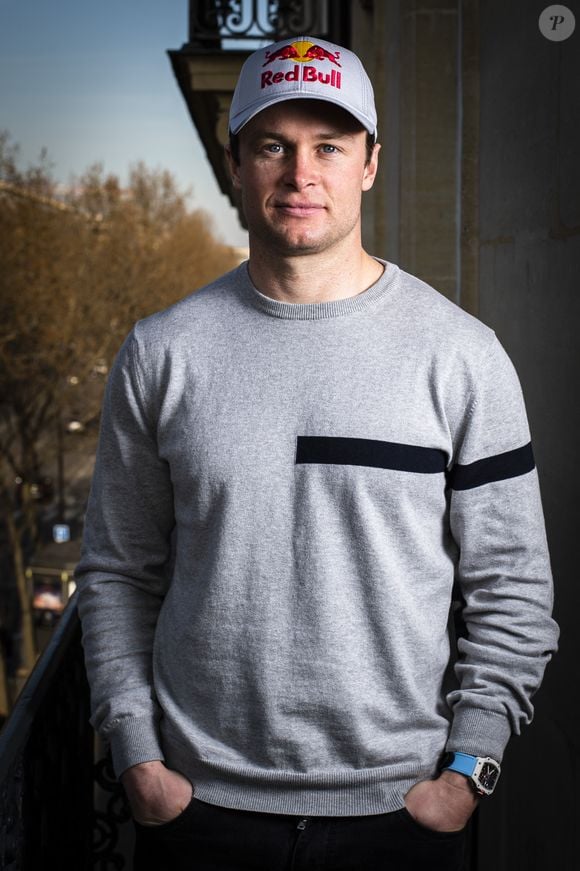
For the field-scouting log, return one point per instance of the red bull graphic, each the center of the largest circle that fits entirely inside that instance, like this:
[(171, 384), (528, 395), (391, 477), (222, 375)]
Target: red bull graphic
[(301, 53), (287, 52), (316, 52)]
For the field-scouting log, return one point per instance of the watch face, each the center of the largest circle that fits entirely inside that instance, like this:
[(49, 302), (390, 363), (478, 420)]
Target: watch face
[(488, 776)]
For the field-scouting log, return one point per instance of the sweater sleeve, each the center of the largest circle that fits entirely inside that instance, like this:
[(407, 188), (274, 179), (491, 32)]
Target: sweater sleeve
[(503, 566), (122, 574)]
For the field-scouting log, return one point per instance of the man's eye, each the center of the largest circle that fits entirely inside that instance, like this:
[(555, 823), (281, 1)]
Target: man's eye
[(329, 149), (273, 148)]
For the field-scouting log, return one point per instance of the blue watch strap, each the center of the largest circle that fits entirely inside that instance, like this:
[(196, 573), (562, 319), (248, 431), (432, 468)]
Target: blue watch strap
[(463, 763)]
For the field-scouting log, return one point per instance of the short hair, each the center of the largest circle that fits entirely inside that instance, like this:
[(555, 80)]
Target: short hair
[(235, 146)]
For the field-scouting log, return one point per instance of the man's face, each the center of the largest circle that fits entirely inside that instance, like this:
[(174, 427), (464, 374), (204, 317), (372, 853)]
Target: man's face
[(303, 167)]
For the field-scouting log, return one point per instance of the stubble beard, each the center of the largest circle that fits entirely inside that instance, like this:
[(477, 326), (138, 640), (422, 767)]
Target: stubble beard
[(292, 244)]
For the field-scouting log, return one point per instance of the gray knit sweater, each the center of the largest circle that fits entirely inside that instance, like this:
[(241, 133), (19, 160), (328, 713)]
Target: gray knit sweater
[(283, 498)]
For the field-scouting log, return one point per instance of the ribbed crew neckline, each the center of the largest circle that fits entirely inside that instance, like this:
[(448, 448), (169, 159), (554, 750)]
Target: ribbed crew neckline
[(310, 311)]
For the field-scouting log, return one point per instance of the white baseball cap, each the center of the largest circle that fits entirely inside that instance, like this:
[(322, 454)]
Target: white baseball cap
[(303, 67)]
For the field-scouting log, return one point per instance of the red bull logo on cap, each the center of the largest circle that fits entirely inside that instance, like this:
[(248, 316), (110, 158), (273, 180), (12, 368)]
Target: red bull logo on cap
[(301, 53)]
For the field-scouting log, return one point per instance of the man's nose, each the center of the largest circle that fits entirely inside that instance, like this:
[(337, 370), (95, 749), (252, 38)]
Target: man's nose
[(301, 170)]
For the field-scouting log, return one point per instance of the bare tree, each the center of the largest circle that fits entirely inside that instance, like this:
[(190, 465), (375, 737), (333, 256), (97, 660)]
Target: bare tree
[(75, 273)]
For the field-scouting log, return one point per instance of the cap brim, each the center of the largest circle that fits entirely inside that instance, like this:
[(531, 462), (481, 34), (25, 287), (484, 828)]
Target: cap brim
[(242, 118)]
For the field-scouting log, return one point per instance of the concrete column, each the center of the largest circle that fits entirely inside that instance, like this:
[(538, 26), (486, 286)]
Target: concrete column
[(413, 215), (428, 142)]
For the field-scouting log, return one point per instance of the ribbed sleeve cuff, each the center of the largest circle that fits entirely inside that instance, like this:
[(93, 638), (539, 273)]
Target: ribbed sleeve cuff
[(479, 732), (134, 740)]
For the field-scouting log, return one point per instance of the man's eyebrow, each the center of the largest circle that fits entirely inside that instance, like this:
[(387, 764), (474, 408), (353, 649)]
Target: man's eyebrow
[(266, 134), (335, 134)]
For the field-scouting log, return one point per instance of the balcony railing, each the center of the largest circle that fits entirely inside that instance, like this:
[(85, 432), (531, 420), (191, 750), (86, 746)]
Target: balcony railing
[(243, 24), (60, 806)]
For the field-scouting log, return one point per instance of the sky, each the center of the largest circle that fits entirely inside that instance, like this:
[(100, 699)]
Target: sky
[(92, 82)]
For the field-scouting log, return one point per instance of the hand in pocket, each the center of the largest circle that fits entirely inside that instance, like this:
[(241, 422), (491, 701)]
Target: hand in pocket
[(442, 805), (156, 794)]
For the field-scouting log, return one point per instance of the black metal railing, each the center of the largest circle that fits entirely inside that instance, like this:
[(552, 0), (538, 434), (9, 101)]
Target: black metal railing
[(59, 808), (241, 24)]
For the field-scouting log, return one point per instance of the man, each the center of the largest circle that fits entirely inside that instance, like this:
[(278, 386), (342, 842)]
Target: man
[(296, 464)]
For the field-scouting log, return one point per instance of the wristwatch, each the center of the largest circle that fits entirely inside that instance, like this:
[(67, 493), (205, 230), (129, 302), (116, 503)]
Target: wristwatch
[(482, 771)]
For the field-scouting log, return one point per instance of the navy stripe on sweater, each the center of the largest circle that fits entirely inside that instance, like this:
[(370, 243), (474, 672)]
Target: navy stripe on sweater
[(412, 458), (500, 467), (369, 452)]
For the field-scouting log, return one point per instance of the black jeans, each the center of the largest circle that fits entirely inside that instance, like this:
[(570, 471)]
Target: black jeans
[(210, 838)]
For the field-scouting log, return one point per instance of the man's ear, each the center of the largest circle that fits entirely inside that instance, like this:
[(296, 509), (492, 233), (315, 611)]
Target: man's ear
[(371, 168), (233, 167)]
